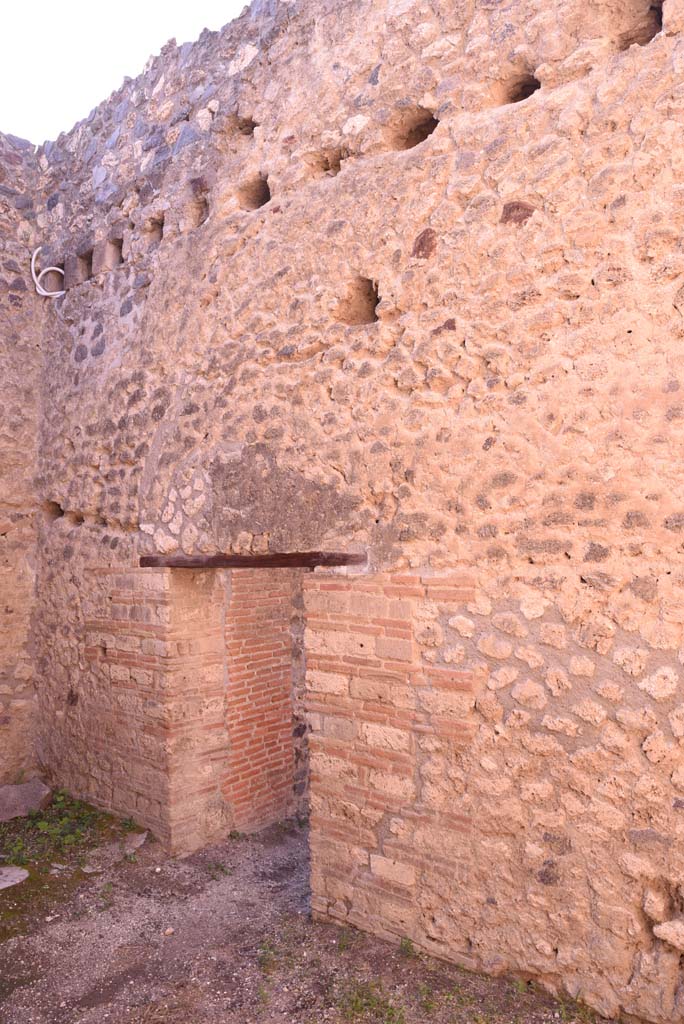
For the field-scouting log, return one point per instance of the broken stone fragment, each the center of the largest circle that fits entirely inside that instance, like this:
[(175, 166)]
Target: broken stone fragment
[(12, 876), (19, 801), (671, 932), (656, 904)]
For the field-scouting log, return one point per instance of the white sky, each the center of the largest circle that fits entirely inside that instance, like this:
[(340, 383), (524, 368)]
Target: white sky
[(61, 59)]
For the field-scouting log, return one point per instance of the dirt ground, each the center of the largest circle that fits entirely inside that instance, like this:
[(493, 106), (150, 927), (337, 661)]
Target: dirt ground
[(225, 936)]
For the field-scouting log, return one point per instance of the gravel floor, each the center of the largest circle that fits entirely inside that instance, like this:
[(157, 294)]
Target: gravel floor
[(225, 936)]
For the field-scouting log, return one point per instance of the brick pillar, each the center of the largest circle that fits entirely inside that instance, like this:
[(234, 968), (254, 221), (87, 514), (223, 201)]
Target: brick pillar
[(196, 727), (155, 643)]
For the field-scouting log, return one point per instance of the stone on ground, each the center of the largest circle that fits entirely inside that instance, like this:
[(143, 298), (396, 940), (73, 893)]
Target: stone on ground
[(18, 801), (12, 876)]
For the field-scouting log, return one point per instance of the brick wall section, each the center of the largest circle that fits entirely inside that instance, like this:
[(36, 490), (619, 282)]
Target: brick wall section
[(122, 699), (381, 829), (259, 779), (155, 696)]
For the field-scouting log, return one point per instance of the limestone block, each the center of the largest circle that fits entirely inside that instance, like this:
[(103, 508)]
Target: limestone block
[(495, 647), (502, 677), (464, 626), (509, 623), (19, 801), (581, 666), (10, 876), (530, 695), (530, 655), (656, 904), (661, 685), (385, 736), (631, 660), (567, 726), (392, 870), (673, 16)]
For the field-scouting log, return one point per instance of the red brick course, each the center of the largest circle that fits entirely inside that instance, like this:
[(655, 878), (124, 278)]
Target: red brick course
[(259, 773)]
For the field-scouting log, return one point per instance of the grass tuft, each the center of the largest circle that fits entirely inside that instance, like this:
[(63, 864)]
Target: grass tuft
[(267, 957), (365, 1000)]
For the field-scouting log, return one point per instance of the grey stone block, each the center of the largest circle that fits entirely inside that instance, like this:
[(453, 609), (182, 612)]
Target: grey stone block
[(18, 801)]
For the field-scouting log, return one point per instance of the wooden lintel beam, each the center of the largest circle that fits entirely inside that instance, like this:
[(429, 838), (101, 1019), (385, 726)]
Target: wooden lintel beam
[(280, 560)]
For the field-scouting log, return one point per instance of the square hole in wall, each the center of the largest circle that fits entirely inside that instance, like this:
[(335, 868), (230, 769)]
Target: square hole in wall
[(198, 207), (328, 162), (416, 126), (201, 210), (155, 229), (646, 28), (360, 304), (519, 88), (254, 193), (53, 280), (107, 255), (52, 510), (246, 125), (116, 251), (84, 265)]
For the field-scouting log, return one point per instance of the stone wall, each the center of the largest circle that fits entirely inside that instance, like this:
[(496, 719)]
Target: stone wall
[(408, 278), (491, 782), (20, 365)]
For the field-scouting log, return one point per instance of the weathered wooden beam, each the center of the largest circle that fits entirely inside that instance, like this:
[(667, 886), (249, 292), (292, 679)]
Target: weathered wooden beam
[(279, 560)]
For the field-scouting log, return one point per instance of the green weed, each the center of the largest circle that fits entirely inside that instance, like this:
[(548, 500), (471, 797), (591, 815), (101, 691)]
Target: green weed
[(263, 995), (571, 1011), (53, 833), (267, 957), (107, 896), (16, 851), (216, 870), (458, 998), (365, 1000), (428, 1003)]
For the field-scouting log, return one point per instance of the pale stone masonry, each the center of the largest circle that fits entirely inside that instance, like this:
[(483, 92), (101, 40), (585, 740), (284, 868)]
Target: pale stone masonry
[(403, 278), (22, 320)]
